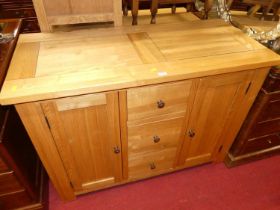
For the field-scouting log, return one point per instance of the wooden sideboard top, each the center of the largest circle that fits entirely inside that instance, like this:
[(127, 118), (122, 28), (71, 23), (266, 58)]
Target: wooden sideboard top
[(53, 65)]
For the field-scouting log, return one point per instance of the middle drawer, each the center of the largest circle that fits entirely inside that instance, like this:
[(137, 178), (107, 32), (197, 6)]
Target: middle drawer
[(154, 136)]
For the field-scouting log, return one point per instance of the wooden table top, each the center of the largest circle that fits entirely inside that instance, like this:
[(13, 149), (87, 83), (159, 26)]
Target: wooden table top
[(53, 65)]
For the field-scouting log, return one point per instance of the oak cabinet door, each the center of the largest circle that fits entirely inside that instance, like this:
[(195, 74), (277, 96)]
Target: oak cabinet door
[(86, 132), (216, 102)]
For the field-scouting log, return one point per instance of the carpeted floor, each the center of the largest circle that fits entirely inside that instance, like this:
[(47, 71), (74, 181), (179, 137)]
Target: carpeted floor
[(254, 186)]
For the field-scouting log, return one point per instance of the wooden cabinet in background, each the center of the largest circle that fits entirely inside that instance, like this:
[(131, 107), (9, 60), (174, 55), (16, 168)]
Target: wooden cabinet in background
[(52, 12), (20, 9), (260, 133), (23, 180)]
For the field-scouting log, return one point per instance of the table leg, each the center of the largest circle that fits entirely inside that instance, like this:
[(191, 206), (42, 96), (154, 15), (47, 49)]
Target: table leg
[(154, 9), (125, 9), (207, 7), (134, 11)]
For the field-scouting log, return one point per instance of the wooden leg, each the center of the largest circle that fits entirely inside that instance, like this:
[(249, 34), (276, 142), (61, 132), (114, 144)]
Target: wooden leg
[(173, 9), (229, 3), (276, 13), (207, 7), (253, 10), (134, 11), (267, 9), (125, 9), (154, 9)]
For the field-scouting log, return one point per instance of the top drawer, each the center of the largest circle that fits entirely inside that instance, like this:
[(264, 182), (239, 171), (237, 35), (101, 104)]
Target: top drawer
[(153, 101)]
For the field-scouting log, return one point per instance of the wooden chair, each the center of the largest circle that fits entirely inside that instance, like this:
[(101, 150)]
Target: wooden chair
[(267, 6), (154, 4)]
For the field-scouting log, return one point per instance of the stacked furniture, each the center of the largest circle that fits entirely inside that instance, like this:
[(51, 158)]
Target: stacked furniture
[(260, 133), (20, 9), (23, 182)]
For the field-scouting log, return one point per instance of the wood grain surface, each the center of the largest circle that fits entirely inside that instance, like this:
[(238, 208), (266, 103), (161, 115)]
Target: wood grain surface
[(97, 60)]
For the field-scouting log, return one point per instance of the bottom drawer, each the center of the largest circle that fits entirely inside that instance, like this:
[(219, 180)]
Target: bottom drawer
[(145, 165), (9, 183), (254, 145), (3, 166), (15, 200)]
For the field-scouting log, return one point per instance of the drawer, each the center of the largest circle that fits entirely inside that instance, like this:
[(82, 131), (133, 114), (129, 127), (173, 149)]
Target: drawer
[(152, 101), (9, 183), (19, 13), (30, 25), (254, 145), (3, 166), (15, 200), (154, 136), (272, 109), (265, 128), (150, 164)]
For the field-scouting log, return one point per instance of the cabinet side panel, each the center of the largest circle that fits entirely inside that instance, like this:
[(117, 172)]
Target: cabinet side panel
[(37, 128), (233, 126)]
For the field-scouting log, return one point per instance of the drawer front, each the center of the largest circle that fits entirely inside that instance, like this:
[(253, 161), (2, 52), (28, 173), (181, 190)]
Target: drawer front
[(9, 183), (154, 136), (152, 101), (140, 166), (3, 166), (254, 145), (15, 200), (30, 25), (19, 13), (265, 128), (272, 109)]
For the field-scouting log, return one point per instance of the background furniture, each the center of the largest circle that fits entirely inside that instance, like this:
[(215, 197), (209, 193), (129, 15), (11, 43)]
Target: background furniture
[(20, 9), (260, 133), (53, 12), (266, 5), (154, 5), (23, 181)]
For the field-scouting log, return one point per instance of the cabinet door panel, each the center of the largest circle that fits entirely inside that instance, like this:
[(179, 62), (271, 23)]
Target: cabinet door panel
[(91, 6), (215, 103), (61, 7), (86, 131)]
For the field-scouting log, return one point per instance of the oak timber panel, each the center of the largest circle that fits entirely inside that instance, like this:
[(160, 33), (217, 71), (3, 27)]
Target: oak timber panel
[(61, 7), (91, 6), (142, 103), (88, 52), (218, 97), (67, 7), (86, 133)]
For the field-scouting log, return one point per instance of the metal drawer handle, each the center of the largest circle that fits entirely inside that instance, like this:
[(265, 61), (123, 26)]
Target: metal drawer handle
[(160, 104), (152, 166), (117, 150), (156, 139), (269, 141), (191, 133)]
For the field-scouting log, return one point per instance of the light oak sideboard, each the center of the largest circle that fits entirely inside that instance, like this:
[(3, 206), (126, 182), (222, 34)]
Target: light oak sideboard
[(110, 106)]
